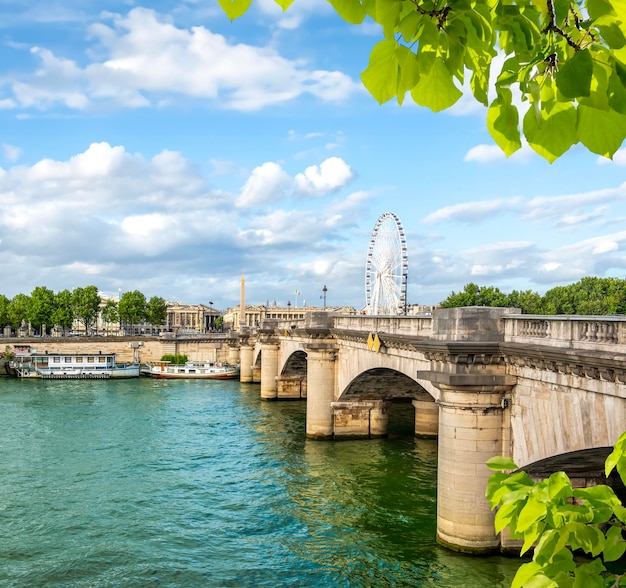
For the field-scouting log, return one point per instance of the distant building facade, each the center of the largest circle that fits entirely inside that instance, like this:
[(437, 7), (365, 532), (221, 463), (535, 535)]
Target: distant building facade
[(254, 314)]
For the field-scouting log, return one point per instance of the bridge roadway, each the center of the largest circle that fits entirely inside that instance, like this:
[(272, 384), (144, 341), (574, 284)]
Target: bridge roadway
[(484, 381)]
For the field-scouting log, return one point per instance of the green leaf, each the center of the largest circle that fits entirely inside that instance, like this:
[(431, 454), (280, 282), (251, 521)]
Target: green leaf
[(284, 4), (380, 77), (555, 133), (588, 575), (387, 12), (428, 46), (503, 125), (574, 76), (532, 512), (505, 514), (531, 535), (617, 93), (620, 512), (615, 545), (618, 453), (598, 8), (611, 31), (408, 71), (559, 486), (601, 131), (436, 90), (524, 573), (586, 537), (499, 463), (351, 11), (235, 8), (410, 25)]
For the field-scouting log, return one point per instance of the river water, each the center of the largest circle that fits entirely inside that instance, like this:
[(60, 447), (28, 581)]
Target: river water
[(201, 484)]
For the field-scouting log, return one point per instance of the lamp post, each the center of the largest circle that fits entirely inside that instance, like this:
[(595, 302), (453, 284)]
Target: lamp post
[(212, 317), (289, 309), (324, 289), (119, 316)]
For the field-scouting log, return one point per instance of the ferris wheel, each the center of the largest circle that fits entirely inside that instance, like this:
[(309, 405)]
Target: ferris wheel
[(386, 270)]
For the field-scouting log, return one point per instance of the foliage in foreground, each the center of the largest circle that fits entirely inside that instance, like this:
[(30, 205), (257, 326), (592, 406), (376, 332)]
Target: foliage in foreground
[(566, 59), (574, 532), (590, 296)]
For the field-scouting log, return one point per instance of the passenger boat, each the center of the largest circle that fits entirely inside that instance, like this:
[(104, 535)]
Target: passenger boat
[(71, 366), (193, 370)]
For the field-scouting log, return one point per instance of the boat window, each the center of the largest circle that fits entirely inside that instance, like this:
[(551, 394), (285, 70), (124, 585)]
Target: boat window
[(68, 360), (56, 359), (79, 360), (90, 360), (101, 359)]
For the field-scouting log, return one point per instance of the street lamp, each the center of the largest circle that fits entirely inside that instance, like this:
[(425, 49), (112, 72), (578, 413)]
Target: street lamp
[(211, 318), (119, 316), (324, 289)]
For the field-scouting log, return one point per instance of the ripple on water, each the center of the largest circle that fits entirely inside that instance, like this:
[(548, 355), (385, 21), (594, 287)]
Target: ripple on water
[(196, 484)]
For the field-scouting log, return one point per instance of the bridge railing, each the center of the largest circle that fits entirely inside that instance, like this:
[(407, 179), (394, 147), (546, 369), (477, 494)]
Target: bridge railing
[(412, 325), (581, 332)]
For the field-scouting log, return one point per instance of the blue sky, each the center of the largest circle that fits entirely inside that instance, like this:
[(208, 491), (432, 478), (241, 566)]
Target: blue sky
[(160, 147)]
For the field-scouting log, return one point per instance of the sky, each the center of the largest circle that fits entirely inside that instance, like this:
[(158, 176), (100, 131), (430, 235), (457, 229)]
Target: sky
[(157, 146)]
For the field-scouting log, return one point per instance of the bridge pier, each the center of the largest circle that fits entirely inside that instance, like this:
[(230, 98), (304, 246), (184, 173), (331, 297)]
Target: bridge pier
[(470, 432), (245, 363), (365, 419), (320, 390), (269, 370), (290, 387), (426, 418)]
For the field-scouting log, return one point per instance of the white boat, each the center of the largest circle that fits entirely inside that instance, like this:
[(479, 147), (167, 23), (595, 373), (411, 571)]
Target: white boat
[(193, 370), (71, 366)]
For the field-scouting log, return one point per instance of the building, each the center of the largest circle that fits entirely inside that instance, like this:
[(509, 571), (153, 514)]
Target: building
[(190, 318), (254, 314)]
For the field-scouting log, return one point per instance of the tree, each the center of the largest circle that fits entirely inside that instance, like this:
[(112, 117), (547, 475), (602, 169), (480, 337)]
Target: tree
[(19, 310), (590, 295), (110, 312), (42, 306), (559, 520), (63, 315), (474, 295), (565, 58), (86, 305), (5, 305), (132, 307), (527, 301), (156, 311)]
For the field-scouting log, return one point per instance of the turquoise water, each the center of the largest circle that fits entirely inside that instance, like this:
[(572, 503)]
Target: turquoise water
[(200, 484)]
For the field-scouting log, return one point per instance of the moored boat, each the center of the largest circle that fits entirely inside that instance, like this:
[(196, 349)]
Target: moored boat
[(71, 366), (193, 370)]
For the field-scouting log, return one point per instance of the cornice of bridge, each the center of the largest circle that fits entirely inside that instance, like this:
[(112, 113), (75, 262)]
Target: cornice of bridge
[(597, 365)]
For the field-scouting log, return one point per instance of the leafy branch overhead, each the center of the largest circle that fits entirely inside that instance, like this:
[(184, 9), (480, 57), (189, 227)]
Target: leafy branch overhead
[(563, 74)]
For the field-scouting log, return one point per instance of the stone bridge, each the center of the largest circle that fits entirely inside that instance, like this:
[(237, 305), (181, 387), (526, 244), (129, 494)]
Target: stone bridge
[(548, 391)]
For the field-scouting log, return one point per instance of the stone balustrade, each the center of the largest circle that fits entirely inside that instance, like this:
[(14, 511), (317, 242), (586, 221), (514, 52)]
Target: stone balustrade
[(566, 331)]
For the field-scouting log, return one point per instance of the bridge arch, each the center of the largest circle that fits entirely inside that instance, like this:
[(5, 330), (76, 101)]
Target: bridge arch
[(295, 364), (382, 383)]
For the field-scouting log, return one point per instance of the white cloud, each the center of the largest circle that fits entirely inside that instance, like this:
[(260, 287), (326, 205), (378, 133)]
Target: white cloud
[(330, 175), (11, 152), (268, 183), (145, 58), (490, 153), (473, 211), (563, 209)]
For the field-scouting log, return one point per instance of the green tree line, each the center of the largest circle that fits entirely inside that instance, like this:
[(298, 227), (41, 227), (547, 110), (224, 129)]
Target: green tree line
[(44, 309), (589, 296)]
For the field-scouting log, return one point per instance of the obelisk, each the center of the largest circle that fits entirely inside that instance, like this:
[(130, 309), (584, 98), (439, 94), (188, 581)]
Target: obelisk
[(242, 304)]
